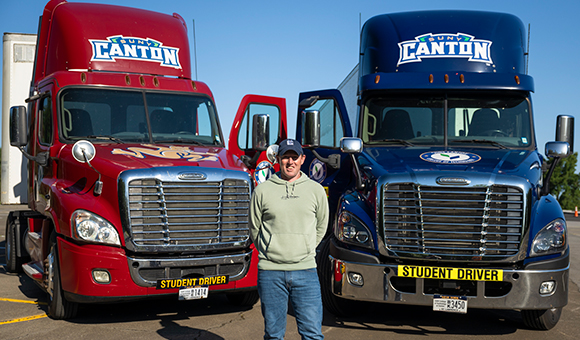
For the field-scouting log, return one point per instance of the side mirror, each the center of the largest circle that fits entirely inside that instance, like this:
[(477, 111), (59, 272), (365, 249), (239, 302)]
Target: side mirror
[(260, 132), (310, 128), (564, 131), (18, 126), (351, 145), (557, 149)]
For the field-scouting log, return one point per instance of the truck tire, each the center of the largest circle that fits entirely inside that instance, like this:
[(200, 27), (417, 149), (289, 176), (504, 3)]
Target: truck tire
[(245, 299), (334, 304), (13, 261), (58, 306), (542, 319)]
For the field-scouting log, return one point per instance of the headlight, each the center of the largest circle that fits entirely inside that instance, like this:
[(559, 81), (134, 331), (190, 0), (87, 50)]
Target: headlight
[(350, 229), (551, 239), (87, 226)]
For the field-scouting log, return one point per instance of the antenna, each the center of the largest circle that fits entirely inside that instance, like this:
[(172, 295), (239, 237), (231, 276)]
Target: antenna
[(527, 54), (194, 50)]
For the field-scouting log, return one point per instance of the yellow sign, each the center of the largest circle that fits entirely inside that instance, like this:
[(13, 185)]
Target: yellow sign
[(472, 274), (190, 282)]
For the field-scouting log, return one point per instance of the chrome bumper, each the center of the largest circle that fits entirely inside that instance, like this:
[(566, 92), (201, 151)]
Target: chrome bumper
[(378, 287)]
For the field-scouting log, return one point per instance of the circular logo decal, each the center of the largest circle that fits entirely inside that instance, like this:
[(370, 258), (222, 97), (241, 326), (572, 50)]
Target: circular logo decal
[(317, 170), (263, 172), (450, 157)]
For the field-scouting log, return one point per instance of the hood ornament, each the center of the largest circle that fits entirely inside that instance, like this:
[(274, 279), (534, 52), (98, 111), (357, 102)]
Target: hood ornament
[(453, 181)]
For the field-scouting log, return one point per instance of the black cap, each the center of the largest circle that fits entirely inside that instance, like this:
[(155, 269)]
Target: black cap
[(289, 145)]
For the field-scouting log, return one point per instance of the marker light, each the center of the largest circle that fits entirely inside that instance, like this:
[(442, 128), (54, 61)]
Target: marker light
[(101, 276), (547, 287), (356, 279)]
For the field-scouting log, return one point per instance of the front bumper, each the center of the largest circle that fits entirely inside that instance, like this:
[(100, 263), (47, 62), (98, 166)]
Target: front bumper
[(77, 262), (518, 289)]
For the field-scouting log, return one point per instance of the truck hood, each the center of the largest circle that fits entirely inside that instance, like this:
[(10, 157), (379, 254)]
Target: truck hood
[(111, 159), (481, 161)]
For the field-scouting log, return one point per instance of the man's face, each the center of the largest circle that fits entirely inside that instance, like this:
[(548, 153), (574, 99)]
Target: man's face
[(290, 165)]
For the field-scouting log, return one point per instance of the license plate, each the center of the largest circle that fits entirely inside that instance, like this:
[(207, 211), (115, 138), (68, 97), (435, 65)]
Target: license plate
[(193, 293), (453, 304)]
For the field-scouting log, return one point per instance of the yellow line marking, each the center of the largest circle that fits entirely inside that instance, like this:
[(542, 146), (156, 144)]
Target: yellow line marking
[(28, 318), (24, 301)]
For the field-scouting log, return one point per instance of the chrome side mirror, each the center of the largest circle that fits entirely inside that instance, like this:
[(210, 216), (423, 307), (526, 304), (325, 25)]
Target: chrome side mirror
[(557, 149), (351, 145), (260, 132), (310, 128), (18, 126), (565, 131)]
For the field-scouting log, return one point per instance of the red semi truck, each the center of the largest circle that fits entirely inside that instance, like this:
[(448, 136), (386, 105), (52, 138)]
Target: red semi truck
[(131, 190)]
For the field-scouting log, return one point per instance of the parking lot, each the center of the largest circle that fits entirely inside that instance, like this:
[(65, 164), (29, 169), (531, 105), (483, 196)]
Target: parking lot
[(23, 315)]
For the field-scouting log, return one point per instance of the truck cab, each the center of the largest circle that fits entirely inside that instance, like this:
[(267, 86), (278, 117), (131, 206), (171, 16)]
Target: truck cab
[(132, 192), (437, 189)]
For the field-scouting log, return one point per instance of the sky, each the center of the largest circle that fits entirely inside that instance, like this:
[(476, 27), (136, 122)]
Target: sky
[(282, 48)]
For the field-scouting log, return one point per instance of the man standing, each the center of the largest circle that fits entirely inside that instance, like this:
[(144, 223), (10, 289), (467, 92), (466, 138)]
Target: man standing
[(288, 219)]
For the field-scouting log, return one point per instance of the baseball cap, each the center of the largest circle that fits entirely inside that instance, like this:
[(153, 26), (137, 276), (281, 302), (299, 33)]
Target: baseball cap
[(289, 145)]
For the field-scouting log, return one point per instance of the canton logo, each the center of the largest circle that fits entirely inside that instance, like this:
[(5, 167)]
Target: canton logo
[(119, 47), (445, 45), (450, 157)]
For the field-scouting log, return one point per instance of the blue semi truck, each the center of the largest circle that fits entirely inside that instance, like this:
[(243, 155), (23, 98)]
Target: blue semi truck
[(438, 193)]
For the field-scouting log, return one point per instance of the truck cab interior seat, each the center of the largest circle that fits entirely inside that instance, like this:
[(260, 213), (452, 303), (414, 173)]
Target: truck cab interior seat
[(81, 124), (483, 120), (396, 125), (164, 121)]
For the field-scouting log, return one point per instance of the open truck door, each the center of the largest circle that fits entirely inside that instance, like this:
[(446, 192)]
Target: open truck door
[(259, 123), (322, 121)]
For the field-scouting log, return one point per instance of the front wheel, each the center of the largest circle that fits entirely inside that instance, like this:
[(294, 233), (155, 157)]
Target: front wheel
[(245, 299), (13, 261), (334, 304), (542, 319), (59, 308)]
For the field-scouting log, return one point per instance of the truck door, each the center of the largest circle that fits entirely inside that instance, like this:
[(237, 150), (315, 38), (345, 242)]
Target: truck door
[(332, 168), (42, 139), (240, 141)]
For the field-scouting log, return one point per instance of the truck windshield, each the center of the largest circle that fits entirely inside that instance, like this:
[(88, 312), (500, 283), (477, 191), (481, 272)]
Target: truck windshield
[(494, 120), (103, 115)]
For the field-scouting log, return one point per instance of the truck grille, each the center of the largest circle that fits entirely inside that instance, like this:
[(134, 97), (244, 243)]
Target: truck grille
[(188, 215), (453, 223)]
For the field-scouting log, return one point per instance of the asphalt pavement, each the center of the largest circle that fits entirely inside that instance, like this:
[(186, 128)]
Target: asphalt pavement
[(23, 315)]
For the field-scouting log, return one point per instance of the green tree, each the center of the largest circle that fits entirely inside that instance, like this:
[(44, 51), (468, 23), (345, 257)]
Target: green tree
[(565, 182)]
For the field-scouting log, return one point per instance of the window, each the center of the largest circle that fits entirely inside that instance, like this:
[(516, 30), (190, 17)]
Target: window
[(471, 118), (246, 128), (331, 128), (121, 115), (45, 122)]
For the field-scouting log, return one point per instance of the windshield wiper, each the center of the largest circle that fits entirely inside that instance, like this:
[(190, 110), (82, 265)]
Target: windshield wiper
[(114, 139), (182, 140), (484, 141), (392, 140)]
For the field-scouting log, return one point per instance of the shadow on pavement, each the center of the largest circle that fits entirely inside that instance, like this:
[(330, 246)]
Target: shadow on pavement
[(421, 320)]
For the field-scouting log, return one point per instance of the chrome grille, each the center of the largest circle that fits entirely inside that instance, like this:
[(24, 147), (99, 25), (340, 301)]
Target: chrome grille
[(183, 215), (453, 222)]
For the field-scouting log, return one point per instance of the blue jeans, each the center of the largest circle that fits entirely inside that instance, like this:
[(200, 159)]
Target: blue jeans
[(303, 289)]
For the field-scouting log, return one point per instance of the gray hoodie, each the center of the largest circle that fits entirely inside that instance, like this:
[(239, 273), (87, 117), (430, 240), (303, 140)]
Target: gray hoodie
[(287, 221)]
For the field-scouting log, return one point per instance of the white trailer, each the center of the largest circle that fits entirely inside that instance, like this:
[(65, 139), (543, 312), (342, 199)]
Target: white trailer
[(349, 91), (18, 61)]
